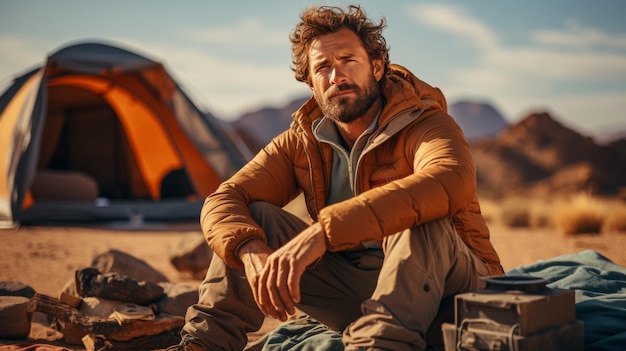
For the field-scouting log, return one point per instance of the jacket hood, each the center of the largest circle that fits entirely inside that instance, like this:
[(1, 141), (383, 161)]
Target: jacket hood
[(402, 91)]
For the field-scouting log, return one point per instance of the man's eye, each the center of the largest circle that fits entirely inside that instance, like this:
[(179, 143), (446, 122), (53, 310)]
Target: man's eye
[(321, 68)]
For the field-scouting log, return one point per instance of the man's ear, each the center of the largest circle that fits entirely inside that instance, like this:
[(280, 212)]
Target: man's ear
[(378, 66)]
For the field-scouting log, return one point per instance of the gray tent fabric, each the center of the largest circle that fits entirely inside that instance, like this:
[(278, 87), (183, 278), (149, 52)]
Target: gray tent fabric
[(95, 58)]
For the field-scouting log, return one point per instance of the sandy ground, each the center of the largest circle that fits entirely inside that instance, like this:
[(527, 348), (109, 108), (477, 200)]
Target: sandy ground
[(47, 257)]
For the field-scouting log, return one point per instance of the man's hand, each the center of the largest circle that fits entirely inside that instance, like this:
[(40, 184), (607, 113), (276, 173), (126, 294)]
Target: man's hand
[(277, 289), (253, 255)]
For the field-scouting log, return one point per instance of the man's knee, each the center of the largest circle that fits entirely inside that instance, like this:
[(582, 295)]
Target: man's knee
[(259, 209)]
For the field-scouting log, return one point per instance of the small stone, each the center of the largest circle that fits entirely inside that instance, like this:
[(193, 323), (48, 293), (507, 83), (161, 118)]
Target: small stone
[(178, 297), (115, 261), (15, 319), (16, 288), (113, 286), (192, 255)]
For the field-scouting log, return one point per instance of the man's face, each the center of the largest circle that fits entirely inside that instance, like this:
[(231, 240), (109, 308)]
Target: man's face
[(343, 79)]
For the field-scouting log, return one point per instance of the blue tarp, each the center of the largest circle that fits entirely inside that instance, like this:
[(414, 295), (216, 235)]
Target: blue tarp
[(600, 287)]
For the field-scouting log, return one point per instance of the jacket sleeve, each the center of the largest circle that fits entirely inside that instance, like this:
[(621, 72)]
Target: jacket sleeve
[(442, 183), (225, 218)]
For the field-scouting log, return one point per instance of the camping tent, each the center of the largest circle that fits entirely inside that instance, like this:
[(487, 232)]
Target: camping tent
[(100, 133)]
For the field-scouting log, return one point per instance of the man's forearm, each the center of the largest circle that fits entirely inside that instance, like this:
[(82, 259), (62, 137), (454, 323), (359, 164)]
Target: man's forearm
[(252, 247)]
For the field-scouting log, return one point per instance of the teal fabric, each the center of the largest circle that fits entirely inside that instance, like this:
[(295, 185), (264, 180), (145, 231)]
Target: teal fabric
[(600, 288), (303, 334)]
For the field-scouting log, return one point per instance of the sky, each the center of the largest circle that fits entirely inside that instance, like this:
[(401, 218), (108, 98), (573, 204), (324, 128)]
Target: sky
[(564, 57)]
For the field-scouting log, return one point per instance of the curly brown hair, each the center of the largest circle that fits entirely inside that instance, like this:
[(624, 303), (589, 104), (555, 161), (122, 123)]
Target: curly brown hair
[(317, 21)]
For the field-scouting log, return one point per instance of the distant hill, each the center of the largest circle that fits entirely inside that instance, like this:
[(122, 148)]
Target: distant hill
[(477, 120), (540, 156), (257, 128), (536, 156), (618, 146)]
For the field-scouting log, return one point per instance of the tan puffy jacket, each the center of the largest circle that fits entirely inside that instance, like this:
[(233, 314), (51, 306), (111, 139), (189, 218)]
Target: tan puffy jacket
[(416, 167)]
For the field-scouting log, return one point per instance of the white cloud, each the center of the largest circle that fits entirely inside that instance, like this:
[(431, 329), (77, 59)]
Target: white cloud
[(17, 55), (580, 37), (507, 64), (228, 88), (537, 76), (556, 66), (456, 20), (239, 34)]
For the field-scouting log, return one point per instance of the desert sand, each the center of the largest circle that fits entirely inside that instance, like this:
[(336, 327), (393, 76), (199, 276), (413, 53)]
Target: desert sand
[(47, 257)]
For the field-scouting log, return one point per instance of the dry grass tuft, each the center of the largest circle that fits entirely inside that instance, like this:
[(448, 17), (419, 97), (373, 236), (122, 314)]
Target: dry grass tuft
[(580, 214), (576, 214), (516, 213), (616, 220), (489, 210)]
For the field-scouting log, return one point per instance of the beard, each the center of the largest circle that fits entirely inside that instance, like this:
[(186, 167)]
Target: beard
[(341, 109)]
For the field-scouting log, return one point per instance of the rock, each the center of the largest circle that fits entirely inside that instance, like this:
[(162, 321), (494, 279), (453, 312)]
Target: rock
[(73, 333), (15, 288), (119, 262), (114, 286), (70, 287), (178, 297), (98, 307), (69, 295), (192, 255), (70, 300), (15, 319)]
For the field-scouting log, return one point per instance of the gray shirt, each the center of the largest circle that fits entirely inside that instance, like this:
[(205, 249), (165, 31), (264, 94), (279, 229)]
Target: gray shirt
[(344, 161)]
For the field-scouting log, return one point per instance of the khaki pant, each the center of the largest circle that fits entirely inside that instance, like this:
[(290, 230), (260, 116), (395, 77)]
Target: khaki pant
[(384, 298)]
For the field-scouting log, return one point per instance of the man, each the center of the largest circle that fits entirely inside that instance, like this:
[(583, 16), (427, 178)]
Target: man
[(389, 182)]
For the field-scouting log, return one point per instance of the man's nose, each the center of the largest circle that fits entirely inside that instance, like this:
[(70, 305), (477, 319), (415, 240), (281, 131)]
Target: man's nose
[(337, 76)]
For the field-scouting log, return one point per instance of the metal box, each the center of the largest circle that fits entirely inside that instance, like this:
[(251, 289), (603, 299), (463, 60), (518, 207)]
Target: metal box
[(515, 313)]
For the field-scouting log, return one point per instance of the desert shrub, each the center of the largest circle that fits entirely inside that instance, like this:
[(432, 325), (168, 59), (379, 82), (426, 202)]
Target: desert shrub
[(515, 213), (489, 210), (541, 219), (541, 213), (580, 214), (616, 219)]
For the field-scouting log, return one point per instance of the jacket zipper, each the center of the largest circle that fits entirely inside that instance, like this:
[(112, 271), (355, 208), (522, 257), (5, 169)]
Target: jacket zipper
[(358, 188), (313, 188)]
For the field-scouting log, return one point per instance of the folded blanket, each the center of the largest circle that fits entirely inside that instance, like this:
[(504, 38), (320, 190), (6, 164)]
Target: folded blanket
[(600, 287)]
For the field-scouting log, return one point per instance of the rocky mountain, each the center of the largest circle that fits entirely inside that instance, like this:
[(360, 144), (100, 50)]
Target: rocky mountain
[(618, 146), (257, 128), (478, 120), (539, 156)]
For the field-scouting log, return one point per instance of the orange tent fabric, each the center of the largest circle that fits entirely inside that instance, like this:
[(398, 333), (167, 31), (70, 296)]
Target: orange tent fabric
[(119, 120)]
